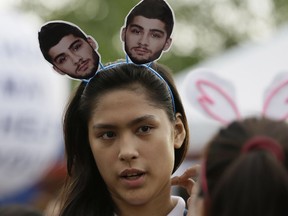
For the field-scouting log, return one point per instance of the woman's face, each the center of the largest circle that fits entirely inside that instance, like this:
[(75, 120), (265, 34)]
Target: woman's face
[(133, 145)]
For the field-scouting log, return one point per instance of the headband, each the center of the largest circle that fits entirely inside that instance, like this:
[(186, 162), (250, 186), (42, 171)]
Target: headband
[(148, 66)]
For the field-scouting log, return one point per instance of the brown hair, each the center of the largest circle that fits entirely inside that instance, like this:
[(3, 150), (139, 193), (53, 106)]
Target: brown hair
[(247, 183)]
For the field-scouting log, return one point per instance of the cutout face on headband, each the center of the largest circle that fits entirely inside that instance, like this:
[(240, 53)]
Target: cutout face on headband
[(69, 49), (147, 31)]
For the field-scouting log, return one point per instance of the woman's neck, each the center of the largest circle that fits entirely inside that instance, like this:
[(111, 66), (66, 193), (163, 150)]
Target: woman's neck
[(160, 206)]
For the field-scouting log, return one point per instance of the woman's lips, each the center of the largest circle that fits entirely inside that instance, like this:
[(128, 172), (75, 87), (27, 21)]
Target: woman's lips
[(132, 178)]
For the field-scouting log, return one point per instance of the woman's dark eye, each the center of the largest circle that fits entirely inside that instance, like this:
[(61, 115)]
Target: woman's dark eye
[(144, 129), (108, 135)]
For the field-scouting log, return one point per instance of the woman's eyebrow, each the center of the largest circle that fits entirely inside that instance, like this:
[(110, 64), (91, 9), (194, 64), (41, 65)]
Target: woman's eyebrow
[(103, 126), (131, 123), (141, 119)]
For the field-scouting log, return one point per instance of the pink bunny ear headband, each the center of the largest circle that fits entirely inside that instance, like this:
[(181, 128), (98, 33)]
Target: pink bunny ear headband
[(215, 97)]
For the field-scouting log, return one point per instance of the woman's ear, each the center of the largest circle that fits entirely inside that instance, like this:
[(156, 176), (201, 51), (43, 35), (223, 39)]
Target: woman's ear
[(179, 131)]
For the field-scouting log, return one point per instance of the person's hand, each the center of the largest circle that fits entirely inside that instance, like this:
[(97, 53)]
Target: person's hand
[(195, 203), (187, 179)]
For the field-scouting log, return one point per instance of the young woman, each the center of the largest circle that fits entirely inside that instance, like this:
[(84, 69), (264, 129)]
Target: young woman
[(125, 134)]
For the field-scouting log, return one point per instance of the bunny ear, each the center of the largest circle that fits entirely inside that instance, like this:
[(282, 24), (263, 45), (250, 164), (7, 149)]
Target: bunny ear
[(211, 95), (276, 98)]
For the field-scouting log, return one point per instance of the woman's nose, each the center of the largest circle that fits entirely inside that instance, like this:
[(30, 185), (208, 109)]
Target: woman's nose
[(128, 150)]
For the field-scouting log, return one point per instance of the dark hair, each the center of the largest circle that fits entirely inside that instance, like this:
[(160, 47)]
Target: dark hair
[(86, 192), (247, 183), (153, 9), (52, 32)]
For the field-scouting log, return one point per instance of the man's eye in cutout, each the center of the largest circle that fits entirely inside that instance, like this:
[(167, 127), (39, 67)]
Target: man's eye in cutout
[(61, 60), (156, 35), (77, 46), (135, 31)]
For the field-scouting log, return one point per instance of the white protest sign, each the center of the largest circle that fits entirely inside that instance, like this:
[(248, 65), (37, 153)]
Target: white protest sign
[(32, 99)]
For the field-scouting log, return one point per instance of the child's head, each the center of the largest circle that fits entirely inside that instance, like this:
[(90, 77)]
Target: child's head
[(125, 133), (245, 169)]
